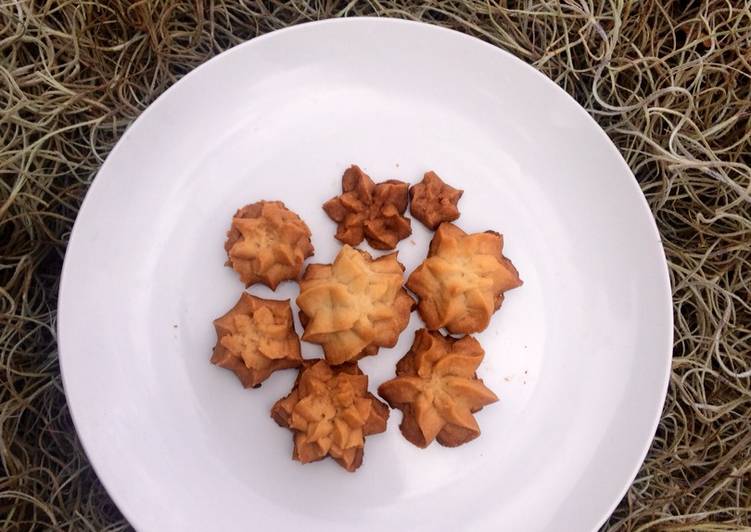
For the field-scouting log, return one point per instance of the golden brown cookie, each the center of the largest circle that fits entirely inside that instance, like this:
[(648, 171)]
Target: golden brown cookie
[(461, 282), (267, 243), (367, 210), (355, 305), (433, 202), (330, 412), (256, 338), (437, 389)]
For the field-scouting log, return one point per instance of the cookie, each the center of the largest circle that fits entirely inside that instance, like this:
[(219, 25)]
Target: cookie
[(461, 282), (438, 391), (370, 211), (355, 305), (267, 243), (330, 412), (256, 338), (433, 202)]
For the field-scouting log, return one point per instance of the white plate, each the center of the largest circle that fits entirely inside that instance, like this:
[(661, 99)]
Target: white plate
[(579, 355)]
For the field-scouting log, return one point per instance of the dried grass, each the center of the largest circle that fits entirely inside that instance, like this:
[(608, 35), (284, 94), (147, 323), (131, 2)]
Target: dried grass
[(668, 80)]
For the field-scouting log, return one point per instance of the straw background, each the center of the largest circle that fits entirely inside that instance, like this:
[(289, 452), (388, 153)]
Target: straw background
[(668, 80)]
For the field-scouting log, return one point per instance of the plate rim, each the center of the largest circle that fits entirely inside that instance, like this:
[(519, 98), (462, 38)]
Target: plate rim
[(667, 297)]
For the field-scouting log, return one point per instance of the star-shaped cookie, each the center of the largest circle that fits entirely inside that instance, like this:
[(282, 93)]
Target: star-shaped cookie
[(330, 412), (433, 202), (267, 243), (255, 338), (370, 211), (355, 305), (437, 390), (461, 282)]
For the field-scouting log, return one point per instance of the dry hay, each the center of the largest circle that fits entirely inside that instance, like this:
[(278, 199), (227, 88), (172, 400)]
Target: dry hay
[(668, 80)]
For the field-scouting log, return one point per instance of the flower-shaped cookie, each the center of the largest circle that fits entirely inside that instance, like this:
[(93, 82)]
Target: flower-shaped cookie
[(256, 338), (355, 305), (433, 202), (367, 210), (438, 391), (330, 412), (461, 282), (267, 243)]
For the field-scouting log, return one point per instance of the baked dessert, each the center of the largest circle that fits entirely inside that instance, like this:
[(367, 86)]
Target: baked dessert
[(256, 338), (433, 202), (437, 389), (267, 243), (461, 282), (355, 305), (367, 210), (330, 412)]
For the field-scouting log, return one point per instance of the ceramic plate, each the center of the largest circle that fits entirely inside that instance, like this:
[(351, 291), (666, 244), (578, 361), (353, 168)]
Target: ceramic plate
[(579, 356)]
